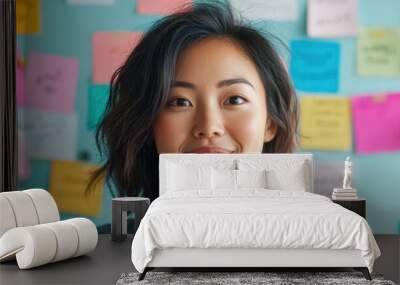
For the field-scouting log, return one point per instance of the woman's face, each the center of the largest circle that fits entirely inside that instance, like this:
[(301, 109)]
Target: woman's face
[(217, 103)]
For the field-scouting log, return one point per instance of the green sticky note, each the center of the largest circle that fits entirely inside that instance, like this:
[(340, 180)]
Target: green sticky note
[(379, 52), (98, 96)]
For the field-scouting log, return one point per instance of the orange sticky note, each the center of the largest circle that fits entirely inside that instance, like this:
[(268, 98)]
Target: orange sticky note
[(67, 185), (110, 50), (161, 7), (28, 16)]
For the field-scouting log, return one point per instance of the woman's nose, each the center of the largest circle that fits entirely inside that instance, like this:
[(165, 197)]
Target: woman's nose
[(209, 123)]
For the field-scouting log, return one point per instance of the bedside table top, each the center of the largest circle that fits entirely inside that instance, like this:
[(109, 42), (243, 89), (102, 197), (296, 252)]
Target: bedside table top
[(130, 199), (350, 200)]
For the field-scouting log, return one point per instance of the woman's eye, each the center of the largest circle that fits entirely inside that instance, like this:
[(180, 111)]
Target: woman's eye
[(236, 100), (179, 102)]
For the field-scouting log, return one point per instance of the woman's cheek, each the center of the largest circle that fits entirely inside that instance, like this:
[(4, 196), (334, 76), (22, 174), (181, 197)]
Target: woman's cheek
[(170, 131), (248, 130)]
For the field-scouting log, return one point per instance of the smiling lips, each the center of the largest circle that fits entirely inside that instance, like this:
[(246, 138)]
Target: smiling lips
[(210, 149)]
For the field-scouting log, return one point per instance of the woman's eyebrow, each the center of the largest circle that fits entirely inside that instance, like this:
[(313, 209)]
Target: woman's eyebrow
[(184, 84), (228, 82), (223, 83)]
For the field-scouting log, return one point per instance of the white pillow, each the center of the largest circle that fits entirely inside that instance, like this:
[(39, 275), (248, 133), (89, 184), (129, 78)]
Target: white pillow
[(251, 178), (282, 174), (294, 180), (183, 177), (224, 179)]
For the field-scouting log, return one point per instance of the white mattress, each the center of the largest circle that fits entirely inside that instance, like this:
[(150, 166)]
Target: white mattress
[(252, 218)]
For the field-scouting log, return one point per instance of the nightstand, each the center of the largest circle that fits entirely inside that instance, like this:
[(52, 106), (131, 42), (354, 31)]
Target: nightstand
[(358, 206), (120, 208)]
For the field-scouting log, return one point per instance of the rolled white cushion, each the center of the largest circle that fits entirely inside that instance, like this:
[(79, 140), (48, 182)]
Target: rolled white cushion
[(23, 208), (45, 205), (26, 208), (40, 244), (87, 235), (7, 218), (67, 240), (33, 245)]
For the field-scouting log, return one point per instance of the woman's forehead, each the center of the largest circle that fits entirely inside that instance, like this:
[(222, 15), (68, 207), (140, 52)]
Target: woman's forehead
[(213, 60)]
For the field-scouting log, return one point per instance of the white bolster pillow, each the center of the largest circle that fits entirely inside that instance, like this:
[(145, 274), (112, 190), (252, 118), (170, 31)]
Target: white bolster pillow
[(67, 240), (26, 208), (7, 219), (24, 211), (40, 244), (87, 234), (33, 246), (46, 207)]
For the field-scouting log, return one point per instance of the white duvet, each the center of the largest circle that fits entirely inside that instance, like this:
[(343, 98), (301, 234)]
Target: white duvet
[(251, 218)]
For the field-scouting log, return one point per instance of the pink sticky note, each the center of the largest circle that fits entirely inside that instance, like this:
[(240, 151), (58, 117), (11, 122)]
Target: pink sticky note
[(161, 7), (377, 123), (51, 82), (110, 50), (21, 101)]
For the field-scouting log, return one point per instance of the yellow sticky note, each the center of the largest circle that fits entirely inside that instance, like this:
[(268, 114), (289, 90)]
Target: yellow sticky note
[(379, 52), (28, 16), (67, 185), (325, 123)]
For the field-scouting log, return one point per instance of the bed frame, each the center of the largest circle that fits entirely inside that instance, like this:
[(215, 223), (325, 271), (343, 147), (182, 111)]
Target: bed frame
[(250, 259), (260, 259)]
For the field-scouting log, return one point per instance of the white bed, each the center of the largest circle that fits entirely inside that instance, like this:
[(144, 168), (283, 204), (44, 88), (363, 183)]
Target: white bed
[(201, 222)]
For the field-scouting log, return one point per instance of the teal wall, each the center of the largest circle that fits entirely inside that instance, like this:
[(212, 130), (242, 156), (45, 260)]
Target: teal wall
[(67, 31)]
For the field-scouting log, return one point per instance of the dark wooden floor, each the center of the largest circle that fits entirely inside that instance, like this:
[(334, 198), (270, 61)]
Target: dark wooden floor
[(110, 260), (389, 262)]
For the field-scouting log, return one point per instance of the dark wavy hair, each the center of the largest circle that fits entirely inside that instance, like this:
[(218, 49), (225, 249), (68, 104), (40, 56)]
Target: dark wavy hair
[(140, 88)]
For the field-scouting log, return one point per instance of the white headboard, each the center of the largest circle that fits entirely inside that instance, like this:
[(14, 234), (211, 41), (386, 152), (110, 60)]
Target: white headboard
[(229, 161)]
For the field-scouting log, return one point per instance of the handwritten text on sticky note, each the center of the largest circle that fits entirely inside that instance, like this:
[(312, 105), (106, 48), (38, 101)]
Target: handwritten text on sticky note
[(110, 50), (51, 82), (379, 52), (332, 18), (314, 65), (325, 123)]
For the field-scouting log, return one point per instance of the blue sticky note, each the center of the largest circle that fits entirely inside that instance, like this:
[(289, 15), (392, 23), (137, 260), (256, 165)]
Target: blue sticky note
[(314, 65), (98, 96)]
